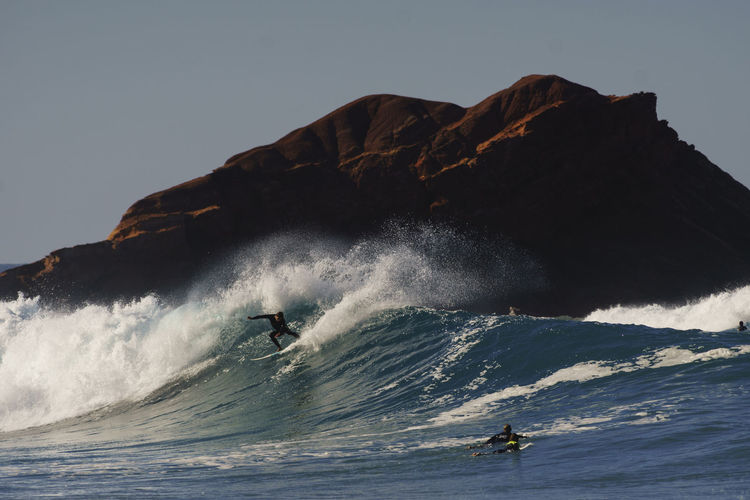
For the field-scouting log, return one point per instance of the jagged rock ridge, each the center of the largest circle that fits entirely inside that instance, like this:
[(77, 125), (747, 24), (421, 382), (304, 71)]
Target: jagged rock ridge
[(603, 194)]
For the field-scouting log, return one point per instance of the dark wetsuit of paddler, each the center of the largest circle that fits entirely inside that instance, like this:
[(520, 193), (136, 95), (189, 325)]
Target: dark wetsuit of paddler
[(503, 437), (278, 323)]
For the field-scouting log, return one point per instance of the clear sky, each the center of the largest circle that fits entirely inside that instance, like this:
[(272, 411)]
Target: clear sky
[(104, 102)]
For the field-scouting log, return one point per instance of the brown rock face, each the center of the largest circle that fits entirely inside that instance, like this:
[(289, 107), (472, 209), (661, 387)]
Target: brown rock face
[(604, 196)]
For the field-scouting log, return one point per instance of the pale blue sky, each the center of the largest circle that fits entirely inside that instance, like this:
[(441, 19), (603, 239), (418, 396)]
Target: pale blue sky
[(104, 102)]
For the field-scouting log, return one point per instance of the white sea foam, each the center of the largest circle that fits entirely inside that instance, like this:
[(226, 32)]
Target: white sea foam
[(645, 412), (55, 365), (578, 373), (717, 312)]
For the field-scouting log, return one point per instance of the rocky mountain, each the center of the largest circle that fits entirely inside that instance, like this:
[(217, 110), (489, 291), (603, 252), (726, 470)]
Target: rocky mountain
[(599, 191)]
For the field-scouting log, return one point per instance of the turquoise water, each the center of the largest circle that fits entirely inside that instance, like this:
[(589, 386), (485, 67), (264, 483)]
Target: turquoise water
[(378, 399)]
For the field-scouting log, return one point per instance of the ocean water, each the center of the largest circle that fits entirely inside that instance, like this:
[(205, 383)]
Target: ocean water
[(380, 397)]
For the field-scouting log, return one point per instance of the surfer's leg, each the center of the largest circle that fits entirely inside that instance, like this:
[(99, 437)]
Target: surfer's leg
[(272, 335), (293, 334)]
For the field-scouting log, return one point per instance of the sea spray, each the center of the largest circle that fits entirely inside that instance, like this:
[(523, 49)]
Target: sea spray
[(407, 265), (714, 313)]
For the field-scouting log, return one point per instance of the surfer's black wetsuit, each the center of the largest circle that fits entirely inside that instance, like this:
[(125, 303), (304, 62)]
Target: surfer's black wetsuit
[(279, 327), (503, 437)]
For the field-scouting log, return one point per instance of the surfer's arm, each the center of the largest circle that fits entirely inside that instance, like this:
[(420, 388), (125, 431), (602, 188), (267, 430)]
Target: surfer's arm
[(261, 316), (497, 438)]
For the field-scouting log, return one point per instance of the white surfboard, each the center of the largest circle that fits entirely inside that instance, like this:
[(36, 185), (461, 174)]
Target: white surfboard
[(266, 356)]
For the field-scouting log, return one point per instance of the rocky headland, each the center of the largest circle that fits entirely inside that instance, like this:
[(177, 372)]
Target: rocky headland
[(599, 191)]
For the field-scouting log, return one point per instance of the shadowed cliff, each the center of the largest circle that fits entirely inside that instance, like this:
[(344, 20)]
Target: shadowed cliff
[(602, 194)]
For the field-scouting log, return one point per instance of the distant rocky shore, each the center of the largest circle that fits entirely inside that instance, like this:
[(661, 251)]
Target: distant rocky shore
[(599, 191)]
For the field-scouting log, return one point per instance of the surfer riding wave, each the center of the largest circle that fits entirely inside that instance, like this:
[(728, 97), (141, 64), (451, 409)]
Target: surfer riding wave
[(278, 323)]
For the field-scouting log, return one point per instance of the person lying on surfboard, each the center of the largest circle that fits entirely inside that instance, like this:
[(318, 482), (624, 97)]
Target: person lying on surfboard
[(503, 437), (510, 445), (278, 323)]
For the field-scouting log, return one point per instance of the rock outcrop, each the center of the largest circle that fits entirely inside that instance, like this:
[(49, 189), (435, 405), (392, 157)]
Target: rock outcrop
[(597, 189)]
